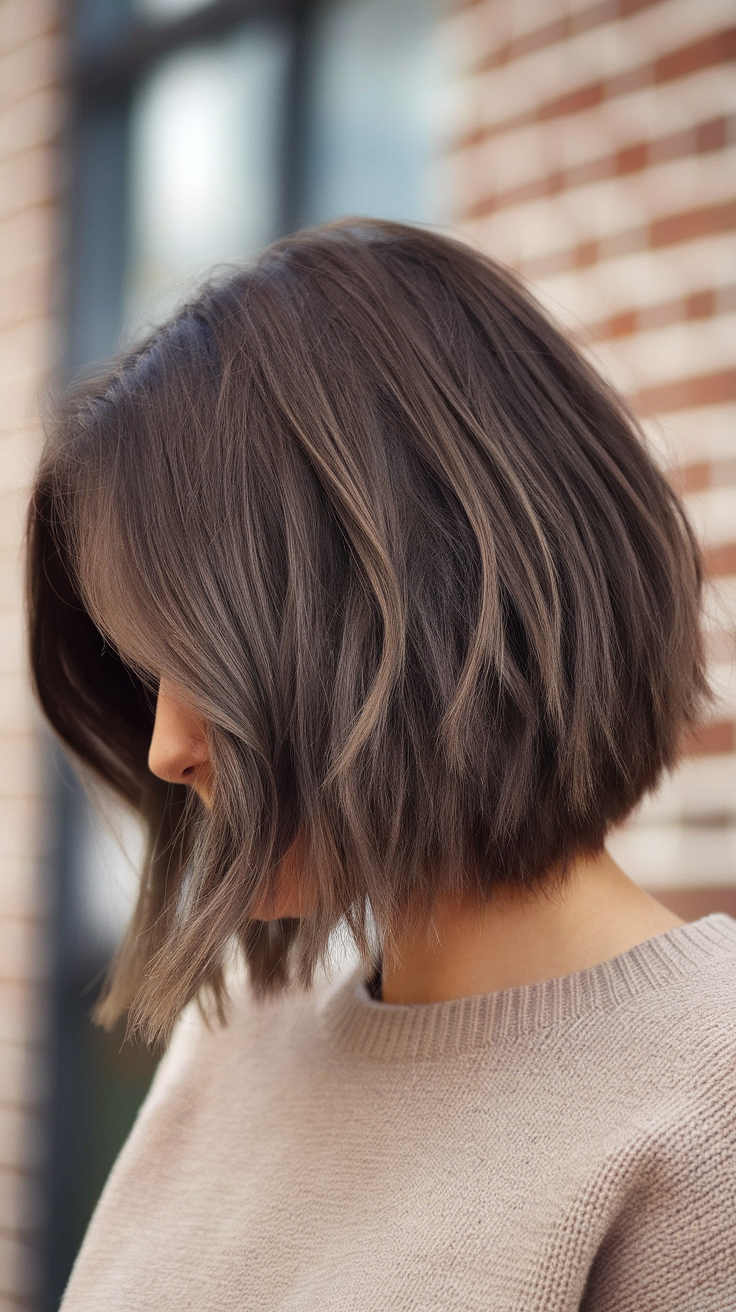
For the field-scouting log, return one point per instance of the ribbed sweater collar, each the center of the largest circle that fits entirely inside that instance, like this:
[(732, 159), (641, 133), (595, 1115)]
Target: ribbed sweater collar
[(388, 1032)]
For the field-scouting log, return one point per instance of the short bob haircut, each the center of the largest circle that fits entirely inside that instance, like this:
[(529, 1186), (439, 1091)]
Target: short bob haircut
[(405, 552)]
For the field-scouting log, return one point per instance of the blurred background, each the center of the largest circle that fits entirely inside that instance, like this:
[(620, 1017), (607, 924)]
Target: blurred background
[(589, 143)]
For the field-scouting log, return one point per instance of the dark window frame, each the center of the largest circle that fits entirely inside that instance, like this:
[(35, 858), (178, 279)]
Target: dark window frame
[(104, 69)]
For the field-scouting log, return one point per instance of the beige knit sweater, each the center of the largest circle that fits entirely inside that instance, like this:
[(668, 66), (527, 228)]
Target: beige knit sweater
[(563, 1145)]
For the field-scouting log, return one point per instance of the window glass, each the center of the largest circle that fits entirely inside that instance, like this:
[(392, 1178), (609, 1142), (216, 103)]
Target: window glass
[(110, 856), (205, 165), (166, 10), (372, 124)]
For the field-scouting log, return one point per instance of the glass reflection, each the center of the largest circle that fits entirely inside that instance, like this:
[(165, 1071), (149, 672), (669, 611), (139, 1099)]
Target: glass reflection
[(164, 11), (373, 122), (205, 156)]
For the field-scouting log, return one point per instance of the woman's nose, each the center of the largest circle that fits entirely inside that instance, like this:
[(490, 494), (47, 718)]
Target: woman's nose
[(178, 749)]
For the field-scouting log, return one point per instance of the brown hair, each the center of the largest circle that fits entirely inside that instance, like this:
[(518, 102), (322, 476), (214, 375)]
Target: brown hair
[(404, 551)]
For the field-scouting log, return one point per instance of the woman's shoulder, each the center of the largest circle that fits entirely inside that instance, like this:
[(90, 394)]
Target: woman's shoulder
[(700, 998), (660, 1019), (669, 1242), (251, 1031)]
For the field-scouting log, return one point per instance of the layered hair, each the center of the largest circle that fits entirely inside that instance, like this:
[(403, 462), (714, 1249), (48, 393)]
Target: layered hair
[(405, 552)]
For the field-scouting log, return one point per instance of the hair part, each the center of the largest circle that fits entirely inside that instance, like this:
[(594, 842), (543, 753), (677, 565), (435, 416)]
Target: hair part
[(406, 553)]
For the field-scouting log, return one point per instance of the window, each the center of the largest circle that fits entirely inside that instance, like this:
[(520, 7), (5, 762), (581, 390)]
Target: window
[(204, 179)]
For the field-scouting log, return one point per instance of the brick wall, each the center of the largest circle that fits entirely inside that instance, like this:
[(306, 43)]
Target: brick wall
[(596, 153), (29, 118)]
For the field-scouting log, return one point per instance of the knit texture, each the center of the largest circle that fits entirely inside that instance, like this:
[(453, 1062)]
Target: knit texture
[(558, 1146)]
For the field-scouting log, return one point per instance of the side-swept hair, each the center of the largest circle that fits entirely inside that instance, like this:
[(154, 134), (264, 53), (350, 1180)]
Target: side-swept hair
[(408, 556)]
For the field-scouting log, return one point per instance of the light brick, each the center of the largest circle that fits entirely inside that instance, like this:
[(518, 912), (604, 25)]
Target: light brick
[(24, 20), (23, 1078), (19, 1265), (26, 237), (722, 677), (33, 121), (20, 1197), (595, 55), (26, 179), (35, 63), (19, 451), (638, 279), (11, 593), (23, 886), (16, 704), (702, 433), (20, 1137), (713, 512), (720, 603), (646, 359), (24, 950), (12, 643), (20, 767), (23, 1013), (22, 825), (604, 209), (19, 406), (22, 346), (25, 292), (13, 505), (700, 787), (672, 856), (537, 149)]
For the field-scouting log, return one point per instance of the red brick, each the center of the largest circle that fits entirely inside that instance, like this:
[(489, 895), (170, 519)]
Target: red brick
[(626, 8), (584, 254), (700, 305), (718, 48), (713, 135), (632, 158), (572, 102), (619, 325), (720, 736), (725, 299), (659, 316), (721, 561), (676, 145), (705, 389), (689, 224), (691, 478), (623, 84)]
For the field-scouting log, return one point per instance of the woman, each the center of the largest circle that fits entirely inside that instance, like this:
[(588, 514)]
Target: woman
[(359, 585)]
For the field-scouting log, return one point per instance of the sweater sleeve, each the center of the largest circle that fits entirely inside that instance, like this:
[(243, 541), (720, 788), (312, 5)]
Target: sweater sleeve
[(672, 1245)]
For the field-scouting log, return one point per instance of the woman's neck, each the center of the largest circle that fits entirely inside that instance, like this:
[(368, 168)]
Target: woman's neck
[(471, 947)]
